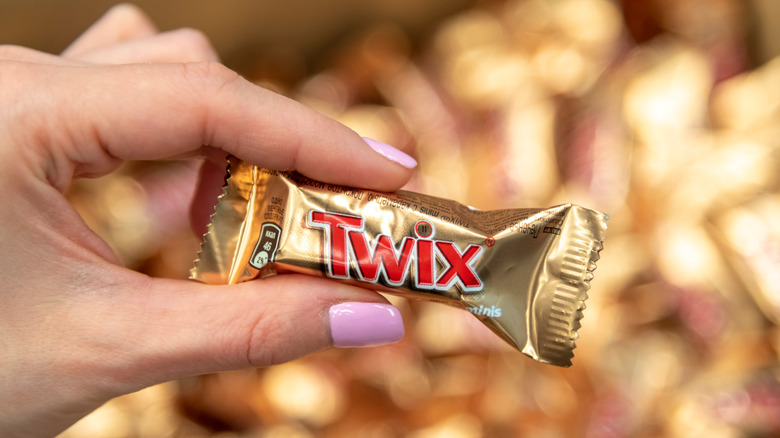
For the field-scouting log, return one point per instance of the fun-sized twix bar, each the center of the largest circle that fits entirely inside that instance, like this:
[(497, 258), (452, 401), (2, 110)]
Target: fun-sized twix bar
[(524, 273)]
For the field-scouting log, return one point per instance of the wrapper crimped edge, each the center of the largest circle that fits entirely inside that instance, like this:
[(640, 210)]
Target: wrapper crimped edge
[(218, 219), (558, 334)]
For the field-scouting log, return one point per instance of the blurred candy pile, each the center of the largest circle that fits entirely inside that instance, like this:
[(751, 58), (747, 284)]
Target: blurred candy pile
[(652, 112)]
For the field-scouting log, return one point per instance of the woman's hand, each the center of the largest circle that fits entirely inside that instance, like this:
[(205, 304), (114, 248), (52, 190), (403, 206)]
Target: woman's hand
[(76, 328)]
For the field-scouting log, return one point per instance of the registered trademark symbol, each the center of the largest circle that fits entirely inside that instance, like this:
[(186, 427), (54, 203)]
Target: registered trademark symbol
[(423, 229), (490, 241)]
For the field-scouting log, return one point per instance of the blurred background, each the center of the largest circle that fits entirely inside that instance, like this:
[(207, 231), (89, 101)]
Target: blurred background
[(665, 114)]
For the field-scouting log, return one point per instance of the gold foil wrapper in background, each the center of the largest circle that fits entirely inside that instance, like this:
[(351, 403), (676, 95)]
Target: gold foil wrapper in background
[(524, 273)]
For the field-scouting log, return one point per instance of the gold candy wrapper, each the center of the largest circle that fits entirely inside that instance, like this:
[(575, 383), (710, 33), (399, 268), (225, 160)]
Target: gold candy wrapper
[(524, 273)]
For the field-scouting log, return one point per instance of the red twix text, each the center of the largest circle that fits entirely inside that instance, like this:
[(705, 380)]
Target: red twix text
[(438, 265)]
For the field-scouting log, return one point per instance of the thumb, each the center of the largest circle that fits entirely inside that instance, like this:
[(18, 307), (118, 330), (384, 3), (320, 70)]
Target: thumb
[(179, 328)]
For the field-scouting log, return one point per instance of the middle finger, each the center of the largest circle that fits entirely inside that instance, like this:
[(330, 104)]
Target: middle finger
[(182, 45)]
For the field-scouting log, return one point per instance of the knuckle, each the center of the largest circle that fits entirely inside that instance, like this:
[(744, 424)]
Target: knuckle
[(262, 350), (15, 77), (9, 52), (272, 339), (127, 11), (209, 81), (129, 15), (196, 42), (210, 74)]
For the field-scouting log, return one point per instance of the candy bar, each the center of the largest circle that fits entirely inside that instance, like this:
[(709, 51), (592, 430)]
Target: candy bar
[(523, 272)]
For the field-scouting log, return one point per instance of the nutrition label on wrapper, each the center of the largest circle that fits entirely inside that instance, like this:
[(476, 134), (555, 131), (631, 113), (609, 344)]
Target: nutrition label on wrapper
[(274, 212)]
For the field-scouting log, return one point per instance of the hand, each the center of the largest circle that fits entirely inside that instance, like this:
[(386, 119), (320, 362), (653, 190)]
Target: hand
[(76, 328)]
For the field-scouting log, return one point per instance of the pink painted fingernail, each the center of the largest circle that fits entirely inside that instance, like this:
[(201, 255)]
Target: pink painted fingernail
[(391, 153), (365, 324)]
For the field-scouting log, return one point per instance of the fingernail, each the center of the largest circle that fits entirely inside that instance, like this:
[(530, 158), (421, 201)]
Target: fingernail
[(365, 324), (391, 153)]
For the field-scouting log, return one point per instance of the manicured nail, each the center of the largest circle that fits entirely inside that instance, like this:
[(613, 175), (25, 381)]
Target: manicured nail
[(365, 324), (391, 153)]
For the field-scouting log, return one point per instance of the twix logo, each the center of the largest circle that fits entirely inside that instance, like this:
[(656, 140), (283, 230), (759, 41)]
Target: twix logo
[(438, 264)]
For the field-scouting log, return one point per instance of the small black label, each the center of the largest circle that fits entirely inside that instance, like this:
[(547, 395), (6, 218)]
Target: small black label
[(265, 250)]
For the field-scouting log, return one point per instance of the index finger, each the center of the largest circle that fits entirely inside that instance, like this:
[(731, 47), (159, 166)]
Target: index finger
[(155, 111)]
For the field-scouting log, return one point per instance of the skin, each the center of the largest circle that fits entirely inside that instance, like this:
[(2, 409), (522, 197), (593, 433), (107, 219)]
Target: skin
[(76, 327)]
